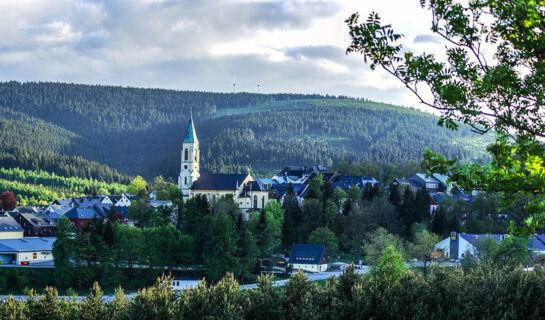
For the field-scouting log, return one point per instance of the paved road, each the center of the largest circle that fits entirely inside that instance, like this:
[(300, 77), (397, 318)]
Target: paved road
[(311, 276)]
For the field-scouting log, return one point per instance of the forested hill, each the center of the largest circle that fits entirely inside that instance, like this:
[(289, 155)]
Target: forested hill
[(139, 131)]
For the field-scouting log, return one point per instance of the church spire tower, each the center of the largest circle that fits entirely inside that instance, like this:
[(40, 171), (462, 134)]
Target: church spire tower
[(189, 171)]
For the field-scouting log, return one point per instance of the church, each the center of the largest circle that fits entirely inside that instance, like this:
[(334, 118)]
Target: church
[(248, 193)]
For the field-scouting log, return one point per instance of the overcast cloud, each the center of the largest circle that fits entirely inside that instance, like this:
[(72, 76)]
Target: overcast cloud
[(284, 46)]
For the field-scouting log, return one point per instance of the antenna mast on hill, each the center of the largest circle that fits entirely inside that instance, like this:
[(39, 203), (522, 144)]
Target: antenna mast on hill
[(257, 88), (234, 87)]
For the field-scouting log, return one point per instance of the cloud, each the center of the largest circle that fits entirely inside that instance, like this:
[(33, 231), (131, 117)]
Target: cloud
[(427, 38), (285, 46)]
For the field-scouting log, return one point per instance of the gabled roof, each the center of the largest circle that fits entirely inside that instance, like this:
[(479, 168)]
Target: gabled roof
[(209, 181), (58, 210), (298, 188), (26, 209), (63, 202), (190, 135), (304, 253), (9, 224), (255, 186), (89, 201), (116, 198), (424, 178), (476, 239), (38, 219), (27, 244), (85, 213), (326, 176)]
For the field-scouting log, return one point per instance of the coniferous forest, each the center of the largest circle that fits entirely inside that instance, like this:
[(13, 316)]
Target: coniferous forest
[(109, 133)]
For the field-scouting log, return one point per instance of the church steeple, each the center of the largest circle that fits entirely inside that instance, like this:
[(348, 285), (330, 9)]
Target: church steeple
[(191, 135), (189, 171)]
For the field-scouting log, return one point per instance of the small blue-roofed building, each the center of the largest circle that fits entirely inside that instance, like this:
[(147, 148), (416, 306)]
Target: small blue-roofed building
[(309, 257), (26, 251)]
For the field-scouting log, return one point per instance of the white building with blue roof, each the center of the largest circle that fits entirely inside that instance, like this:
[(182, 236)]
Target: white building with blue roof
[(460, 244), (26, 251), (309, 257)]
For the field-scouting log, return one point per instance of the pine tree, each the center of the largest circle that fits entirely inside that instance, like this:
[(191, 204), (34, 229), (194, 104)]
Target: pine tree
[(394, 197), (291, 228), (439, 222)]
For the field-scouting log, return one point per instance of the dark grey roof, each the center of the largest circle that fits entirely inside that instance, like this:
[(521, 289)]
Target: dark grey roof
[(255, 186), (304, 253), (9, 224), (115, 198), (85, 213), (39, 220), (208, 181), (26, 209), (300, 171), (298, 188), (63, 202)]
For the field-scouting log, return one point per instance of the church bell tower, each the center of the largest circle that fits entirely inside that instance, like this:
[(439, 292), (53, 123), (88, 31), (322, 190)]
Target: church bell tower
[(189, 171)]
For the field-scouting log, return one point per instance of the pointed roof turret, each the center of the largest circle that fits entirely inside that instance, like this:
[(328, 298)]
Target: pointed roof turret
[(191, 135)]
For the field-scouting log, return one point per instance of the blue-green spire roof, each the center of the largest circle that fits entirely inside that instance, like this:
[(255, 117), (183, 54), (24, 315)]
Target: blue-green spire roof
[(191, 135)]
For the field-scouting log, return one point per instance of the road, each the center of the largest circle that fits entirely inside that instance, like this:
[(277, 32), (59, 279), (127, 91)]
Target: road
[(311, 276)]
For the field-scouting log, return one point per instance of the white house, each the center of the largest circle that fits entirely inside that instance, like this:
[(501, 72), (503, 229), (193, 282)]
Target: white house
[(308, 257), (459, 244)]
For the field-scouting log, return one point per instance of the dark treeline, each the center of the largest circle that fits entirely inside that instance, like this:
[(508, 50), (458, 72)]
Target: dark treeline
[(62, 165), (139, 131), (484, 292)]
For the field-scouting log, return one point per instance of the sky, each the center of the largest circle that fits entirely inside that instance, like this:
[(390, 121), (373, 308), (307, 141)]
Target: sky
[(207, 45)]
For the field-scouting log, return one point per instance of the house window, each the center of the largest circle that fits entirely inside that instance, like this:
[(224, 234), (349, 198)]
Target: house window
[(255, 202), (186, 156)]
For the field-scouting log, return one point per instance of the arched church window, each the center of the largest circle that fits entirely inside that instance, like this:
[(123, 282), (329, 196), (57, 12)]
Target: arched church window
[(196, 155), (186, 157), (263, 202), (185, 179), (255, 202)]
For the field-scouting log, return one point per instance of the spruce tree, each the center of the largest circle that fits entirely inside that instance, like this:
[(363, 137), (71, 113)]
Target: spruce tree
[(291, 227)]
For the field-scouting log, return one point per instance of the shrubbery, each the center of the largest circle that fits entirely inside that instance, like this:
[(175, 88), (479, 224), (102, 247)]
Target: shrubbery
[(485, 292)]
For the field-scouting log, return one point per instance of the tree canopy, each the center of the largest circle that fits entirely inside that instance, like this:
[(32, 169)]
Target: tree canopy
[(492, 80)]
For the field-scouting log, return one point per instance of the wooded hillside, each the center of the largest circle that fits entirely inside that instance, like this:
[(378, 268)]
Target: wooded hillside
[(139, 131)]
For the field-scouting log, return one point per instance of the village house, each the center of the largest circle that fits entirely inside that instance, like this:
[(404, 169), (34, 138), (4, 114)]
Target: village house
[(308, 257), (36, 224), (9, 228), (457, 245)]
